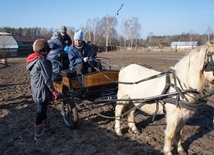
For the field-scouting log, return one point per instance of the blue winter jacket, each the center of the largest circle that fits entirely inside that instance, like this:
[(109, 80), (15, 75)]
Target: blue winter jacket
[(56, 48), (75, 56)]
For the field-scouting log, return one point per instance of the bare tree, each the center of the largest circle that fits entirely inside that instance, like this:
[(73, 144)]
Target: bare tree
[(191, 34), (209, 31), (107, 26), (94, 29), (124, 31), (135, 30), (150, 37), (88, 30), (132, 29), (70, 31)]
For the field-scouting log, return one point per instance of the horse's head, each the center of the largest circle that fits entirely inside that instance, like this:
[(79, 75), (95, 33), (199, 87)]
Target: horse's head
[(208, 65)]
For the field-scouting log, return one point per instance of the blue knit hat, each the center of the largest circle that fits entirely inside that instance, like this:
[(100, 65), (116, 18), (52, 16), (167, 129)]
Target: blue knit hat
[(78, 35)]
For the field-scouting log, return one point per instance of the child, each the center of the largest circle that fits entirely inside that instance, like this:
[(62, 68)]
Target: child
[(41, 84), (56, 48)]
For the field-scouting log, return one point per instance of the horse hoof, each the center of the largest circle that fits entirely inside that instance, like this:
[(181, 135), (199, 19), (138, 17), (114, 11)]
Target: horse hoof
[(167, 153), (182, 153), (135, 132), (119, 134)]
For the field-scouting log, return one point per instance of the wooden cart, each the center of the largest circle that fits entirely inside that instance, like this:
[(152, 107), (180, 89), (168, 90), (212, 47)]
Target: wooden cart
[(100, 83)]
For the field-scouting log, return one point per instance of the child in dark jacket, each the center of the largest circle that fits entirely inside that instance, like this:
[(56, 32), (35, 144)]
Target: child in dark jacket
[(41, 84), (56, 48)]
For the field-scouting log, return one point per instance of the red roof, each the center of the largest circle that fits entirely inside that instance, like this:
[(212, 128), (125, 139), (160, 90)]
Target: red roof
[(28, 39)]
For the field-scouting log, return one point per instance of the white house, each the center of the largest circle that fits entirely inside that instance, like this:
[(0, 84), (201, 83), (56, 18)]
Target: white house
[(184, 45), (8, 45)]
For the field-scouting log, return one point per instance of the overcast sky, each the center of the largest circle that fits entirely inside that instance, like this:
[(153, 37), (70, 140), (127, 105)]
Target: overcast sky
[(161, 17)]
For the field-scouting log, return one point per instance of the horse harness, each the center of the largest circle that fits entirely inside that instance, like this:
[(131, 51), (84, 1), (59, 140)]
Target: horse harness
[(209, 63), (207, 67), (177, 101)]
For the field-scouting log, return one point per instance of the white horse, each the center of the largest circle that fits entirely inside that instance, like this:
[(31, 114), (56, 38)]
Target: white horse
[(193, 71)]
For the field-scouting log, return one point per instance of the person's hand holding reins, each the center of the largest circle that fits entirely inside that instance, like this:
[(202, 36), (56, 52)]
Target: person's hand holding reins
[(85, 59)]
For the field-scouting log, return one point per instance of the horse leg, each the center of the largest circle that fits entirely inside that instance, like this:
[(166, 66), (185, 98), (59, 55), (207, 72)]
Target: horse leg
[(168, 142), (118, 112), (177, 141), (173, 132), (171, 121), (131, 120)]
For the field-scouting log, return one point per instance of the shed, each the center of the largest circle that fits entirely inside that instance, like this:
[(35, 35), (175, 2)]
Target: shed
[(25, 44), (184, 45), (8, 45)]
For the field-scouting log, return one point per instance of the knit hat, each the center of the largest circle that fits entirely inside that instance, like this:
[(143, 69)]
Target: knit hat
[(63, 29), (56, 35), (78, 35), (41, 46)]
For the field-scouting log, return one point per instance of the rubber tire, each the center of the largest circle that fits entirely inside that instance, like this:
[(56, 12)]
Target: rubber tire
[(69, 113)]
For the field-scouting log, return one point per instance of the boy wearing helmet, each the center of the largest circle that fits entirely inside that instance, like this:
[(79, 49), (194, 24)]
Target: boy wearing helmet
[(65, 38)]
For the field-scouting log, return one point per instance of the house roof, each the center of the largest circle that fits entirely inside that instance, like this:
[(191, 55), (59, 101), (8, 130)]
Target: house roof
[(187, 43), (7, 41), (28, 39)]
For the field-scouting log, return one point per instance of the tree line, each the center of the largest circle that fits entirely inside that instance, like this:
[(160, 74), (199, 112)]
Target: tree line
[(103, 32)]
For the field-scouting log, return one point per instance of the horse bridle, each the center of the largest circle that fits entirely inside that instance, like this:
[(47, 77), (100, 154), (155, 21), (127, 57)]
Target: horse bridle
[(209, 63)]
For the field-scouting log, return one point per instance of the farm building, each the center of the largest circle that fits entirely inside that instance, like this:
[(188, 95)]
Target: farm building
[(25, 44), (184, 45), (8, 45)]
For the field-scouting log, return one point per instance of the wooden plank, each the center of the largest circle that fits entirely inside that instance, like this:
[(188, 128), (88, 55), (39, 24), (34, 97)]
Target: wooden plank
[(65, 81), (58, 87), (100, 78), (92, 80), (75, 83), (70, 82)]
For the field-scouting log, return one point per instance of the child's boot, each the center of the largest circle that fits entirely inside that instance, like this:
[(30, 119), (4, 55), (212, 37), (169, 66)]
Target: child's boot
[(38, 131), (46, 125)]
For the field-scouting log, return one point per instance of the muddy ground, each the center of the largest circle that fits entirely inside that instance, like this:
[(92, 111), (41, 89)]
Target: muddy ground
[(95, 134)]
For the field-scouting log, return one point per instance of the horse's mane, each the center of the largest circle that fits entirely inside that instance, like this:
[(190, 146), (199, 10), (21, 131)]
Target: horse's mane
[(189, 67)]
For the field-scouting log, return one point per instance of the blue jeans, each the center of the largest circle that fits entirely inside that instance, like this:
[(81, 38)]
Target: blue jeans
[(41, 113)]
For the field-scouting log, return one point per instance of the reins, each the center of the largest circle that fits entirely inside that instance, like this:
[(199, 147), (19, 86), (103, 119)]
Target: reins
[(136, 82)]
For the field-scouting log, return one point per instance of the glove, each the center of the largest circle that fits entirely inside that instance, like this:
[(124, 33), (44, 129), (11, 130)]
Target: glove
[(54, 95), (66, 49)]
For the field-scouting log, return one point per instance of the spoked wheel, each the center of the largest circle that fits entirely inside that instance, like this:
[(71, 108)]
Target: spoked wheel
[(69, 113)]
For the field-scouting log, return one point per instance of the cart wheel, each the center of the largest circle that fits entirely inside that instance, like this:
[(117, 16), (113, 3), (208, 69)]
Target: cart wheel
[(69, 113)]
